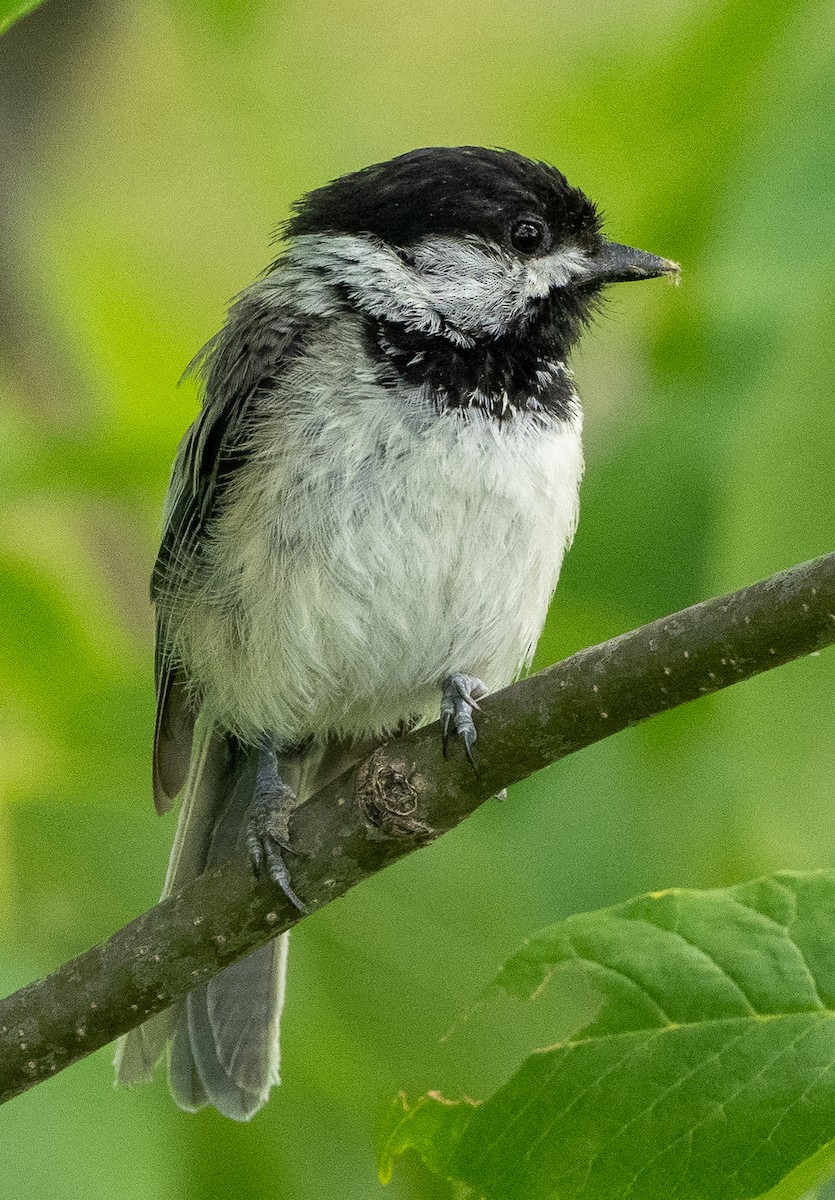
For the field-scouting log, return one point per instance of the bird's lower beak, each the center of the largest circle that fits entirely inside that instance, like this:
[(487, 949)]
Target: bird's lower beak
[(614, 263)]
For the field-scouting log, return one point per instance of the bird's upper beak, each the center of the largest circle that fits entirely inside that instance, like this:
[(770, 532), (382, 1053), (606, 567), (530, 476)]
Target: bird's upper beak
[(614, 263)]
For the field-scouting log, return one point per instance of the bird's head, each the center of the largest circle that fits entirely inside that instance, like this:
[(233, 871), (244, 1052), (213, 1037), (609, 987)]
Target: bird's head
[(463, 242)]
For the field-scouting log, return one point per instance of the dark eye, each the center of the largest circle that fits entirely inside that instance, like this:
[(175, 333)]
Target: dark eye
[(528, 235)]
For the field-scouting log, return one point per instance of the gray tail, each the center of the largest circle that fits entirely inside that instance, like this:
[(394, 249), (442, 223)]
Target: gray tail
[(225, 1047), (223, 1039)]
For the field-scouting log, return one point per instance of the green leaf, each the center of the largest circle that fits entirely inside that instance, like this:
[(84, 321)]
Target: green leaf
[(13, 10), (708, 1073)]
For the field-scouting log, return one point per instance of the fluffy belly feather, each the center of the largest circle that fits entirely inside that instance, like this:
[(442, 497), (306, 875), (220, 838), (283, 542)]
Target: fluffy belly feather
[(338, 597)]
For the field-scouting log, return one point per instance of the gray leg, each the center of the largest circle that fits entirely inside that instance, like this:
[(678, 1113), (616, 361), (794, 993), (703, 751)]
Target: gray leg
[(268, 827), (459, 696)]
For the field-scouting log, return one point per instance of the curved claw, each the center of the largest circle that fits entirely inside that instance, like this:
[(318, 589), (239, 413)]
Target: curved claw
[(265, 851), (459, 696), (445, 732), (469, 739), (278, 873), (267, 830)]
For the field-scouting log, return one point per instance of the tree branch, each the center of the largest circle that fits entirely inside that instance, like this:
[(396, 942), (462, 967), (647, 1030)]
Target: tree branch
[(403, 797)]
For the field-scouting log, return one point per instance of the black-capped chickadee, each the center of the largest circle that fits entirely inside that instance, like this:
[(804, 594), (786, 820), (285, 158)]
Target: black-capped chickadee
[(364, 526)]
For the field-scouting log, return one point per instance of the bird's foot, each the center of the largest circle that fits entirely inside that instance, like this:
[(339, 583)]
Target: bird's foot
[(268, 828), (460, 694)]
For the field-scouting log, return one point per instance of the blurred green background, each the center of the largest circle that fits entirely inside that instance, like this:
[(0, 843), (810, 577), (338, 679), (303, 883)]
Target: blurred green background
[(147, 152)]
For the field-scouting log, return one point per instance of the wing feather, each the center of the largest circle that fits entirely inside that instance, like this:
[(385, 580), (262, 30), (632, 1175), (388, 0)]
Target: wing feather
[(239, 365)]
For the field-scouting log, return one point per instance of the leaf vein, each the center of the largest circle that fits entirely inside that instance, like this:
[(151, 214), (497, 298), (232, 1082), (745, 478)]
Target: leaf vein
[(720, 1106), (829, 1066), (678, 1083), (813, 983), (639, 986), (546, 1083), (723, 971)]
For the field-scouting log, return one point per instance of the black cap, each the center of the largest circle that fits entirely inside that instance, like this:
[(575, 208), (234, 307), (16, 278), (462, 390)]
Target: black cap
[(452, 191)]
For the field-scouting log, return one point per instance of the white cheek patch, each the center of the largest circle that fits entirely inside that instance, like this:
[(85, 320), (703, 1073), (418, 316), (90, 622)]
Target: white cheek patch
[(317, 267), (554, 271), (464, 287), (480, 288), (475, 286)]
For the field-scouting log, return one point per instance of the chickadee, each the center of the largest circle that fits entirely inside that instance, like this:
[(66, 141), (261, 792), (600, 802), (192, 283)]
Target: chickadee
[(365, 523)]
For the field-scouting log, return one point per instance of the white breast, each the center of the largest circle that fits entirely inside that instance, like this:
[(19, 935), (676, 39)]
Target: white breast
[(372, 547)]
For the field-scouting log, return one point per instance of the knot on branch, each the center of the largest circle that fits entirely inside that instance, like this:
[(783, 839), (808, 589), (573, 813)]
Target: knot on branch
[(387, 794)]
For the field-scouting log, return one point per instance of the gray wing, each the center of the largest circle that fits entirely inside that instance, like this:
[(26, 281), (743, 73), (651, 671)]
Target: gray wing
[(239, 365)]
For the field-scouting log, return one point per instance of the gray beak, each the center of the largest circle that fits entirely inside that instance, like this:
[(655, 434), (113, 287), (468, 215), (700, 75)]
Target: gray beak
[(614, 263)]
